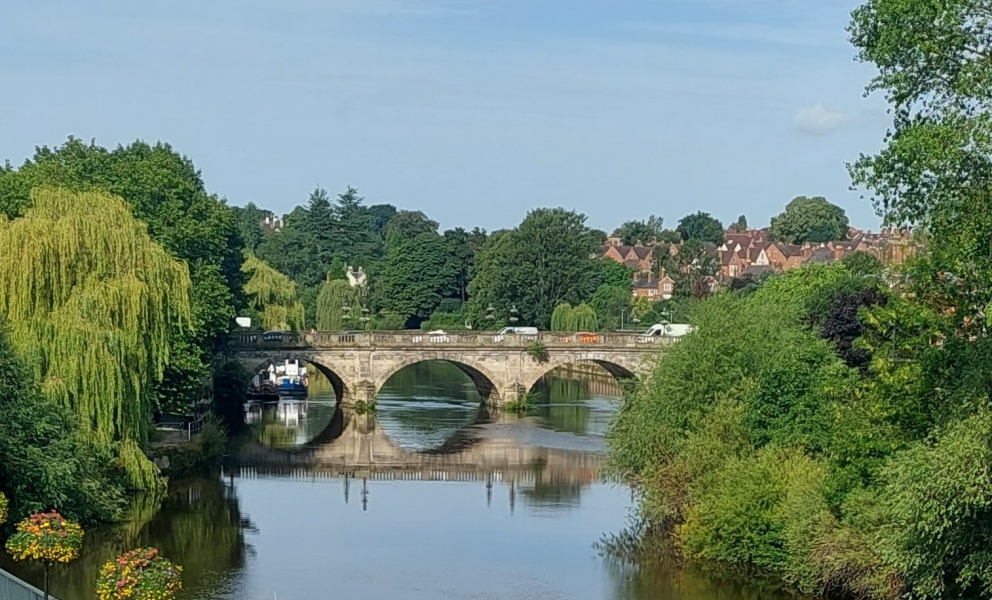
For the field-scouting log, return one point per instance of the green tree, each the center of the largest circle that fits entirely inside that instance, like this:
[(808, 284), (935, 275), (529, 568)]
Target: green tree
[(382, 214), (563, 318), (646, 232), (416, 275), (273, 299), (701, 226), (465, 245), (249, 221), (615, 274), (935, 171), (545, 261), (355, 237), (165, 190), (406, 225), (809, 220), (317, 221), (294, 253), (863, 264), (584, 317), (612, 305), (740, 224), (93, 304), (336, 295)]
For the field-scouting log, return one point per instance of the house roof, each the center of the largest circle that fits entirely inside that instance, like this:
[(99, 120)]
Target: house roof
[(820, 256), (758, 270), (790, 250), (727, 258)]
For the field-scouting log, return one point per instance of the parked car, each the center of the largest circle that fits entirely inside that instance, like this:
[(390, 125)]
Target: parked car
[(668, 330), (517, 331)]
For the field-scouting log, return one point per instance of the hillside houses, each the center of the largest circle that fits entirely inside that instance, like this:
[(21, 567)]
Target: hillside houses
[(749, 253)]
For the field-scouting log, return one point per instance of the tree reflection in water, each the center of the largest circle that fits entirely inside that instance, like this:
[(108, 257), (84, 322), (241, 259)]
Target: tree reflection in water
[(642, 565), (197, 524)]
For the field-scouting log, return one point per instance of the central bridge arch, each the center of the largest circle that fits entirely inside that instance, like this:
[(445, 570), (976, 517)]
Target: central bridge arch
[(482, 376)]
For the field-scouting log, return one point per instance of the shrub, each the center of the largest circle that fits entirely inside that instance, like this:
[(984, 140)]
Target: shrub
[(538, 352)]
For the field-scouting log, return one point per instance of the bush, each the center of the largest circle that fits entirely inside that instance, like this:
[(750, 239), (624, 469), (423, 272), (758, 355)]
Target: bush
[(538, 352)]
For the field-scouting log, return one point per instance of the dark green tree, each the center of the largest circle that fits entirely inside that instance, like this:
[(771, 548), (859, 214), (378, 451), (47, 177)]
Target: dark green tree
[(249, 219), (382, 214), (544, 262), (415, 276), (354, 236), (809, 220), (701, 226), (863, 264), (294, 253), (465, 245), (646, 232), (740, 224), (408, 224), (318, 222)]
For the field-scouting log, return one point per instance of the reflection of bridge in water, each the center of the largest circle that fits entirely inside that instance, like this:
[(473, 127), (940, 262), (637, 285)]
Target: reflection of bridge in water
[(356, 446)]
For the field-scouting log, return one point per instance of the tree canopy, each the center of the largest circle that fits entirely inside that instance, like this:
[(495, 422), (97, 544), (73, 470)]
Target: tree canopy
[(701, 226), (645, 232), (416, 275), (272, 297), (809, 220), (92, 304), (545, 261)]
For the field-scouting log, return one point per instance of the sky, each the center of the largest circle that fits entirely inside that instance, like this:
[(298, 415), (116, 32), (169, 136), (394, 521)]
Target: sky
[(473, 111)]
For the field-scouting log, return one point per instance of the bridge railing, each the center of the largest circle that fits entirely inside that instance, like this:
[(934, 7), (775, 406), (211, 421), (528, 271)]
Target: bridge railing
[(410, 338), (12, 588)]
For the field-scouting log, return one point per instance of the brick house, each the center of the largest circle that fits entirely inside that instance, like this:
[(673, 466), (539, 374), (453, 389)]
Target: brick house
[(636, 257)]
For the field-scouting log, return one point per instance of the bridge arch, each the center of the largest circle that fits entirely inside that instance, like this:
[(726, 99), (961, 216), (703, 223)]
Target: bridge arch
[(344, 389), (615, 367), (484, 379)]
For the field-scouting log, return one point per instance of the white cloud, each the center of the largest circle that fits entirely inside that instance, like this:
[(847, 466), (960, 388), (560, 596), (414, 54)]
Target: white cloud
[(818, 119)]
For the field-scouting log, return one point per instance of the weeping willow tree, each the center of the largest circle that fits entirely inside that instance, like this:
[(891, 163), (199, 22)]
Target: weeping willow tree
[(563, 318), (584, 318), (272, 296), (90, 301), (567, 319), (334, 297)]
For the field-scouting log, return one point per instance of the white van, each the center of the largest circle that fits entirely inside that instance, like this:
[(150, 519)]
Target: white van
[(517, 331), (667, 330)]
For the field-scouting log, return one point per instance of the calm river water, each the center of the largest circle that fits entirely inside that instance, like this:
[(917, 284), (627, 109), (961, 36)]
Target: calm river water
[(432, 498)]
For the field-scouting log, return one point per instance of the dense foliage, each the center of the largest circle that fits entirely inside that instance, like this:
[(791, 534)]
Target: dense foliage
[(46, 462), (272, 297), (164, 190), (701, 226), (809, 220), (545, 261), (93, 305)]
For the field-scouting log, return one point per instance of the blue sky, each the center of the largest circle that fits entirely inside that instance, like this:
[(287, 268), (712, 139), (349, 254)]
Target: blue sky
[(474, 111)]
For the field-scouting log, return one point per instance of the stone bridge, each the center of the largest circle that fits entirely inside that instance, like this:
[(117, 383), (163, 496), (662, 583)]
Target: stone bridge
[(503, 368)]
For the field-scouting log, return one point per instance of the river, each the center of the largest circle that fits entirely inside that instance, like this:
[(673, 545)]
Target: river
[(430, 498)]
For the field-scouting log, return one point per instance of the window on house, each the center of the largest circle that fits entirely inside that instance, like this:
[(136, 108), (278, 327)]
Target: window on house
[(668, 287)]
